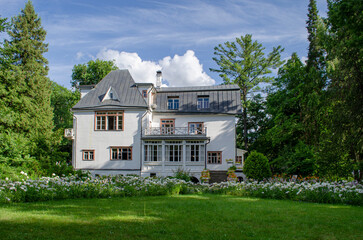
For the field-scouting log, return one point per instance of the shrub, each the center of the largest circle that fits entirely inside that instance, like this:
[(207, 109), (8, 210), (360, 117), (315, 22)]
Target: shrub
[(256, 166), (182, 174)]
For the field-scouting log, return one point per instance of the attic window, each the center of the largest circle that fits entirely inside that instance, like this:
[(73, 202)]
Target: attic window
[(173, 103), (111, 94), (203, 102), (144, 93)]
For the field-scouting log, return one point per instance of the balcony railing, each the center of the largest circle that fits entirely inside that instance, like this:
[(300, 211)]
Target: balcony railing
[(167, 131)]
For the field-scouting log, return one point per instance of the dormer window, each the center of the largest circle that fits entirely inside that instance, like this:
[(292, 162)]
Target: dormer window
[(173, 103), (203, 102), (144, 93), (110, 95)]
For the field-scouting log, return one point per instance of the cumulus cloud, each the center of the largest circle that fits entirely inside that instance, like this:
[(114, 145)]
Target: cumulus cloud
[(184, 70)]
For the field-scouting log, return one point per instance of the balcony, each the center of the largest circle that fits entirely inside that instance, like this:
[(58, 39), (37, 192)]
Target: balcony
[(68, 133), (174, 133)]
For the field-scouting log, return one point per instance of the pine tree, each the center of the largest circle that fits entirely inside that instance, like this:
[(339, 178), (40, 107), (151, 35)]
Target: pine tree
[(243, 62), (315, 52), (30, 83)]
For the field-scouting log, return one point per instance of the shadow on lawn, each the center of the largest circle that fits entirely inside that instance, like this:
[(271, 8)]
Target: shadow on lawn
[(116, 218)]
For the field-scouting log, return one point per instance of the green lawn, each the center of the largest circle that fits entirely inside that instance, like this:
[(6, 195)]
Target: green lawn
[(179, 217)]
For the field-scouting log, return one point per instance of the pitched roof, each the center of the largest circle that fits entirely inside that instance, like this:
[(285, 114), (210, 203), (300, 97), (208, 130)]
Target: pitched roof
[(223, 99), (121, 82), (200, 88)]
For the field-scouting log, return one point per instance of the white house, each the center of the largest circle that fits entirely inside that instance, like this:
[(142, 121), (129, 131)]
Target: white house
[(123, 127)]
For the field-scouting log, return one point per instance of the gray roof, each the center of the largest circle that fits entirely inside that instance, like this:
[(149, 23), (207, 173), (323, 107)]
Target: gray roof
[(199, 88), (224, 99), (121, 82)]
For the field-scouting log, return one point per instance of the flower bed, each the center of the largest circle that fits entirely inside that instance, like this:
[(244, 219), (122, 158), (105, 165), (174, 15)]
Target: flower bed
[(308, 191), (51, 188)]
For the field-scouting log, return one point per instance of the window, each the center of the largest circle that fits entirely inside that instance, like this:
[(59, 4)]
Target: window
[(109, 121), (215, 157), (121, 153), (203, 102), (238, 159), (88, 155), (173, 151), (144, 93), (167, 126), (173, 103), (152, 151), (195, 151), (195, 128)]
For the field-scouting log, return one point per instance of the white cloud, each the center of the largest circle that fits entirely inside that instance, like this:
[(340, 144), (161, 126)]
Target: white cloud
[(184, 70)]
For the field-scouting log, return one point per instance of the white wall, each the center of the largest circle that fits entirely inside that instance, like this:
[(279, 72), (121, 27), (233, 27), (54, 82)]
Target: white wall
[(87, 138)]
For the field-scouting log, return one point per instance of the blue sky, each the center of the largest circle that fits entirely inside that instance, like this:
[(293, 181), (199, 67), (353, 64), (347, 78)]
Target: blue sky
[(177, 37)]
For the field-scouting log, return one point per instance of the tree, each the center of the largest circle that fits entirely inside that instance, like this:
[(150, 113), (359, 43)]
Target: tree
[(62, 100), (243, 62), (26, 114), (315, 50), (32, 85), (345, 70), (92, 72), (256, 166)]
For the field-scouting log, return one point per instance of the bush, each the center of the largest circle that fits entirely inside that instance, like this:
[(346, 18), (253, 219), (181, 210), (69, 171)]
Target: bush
[(256, 166), (182, 174)]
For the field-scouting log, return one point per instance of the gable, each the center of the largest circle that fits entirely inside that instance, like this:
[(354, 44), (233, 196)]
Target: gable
[(124, 94)]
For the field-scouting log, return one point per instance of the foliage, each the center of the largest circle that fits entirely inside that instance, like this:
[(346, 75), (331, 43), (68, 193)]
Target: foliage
[(182, 174), (345, 69), (85, 186), (62, 100), (256, 166), (92, 72), (243, 62), (205, 176)]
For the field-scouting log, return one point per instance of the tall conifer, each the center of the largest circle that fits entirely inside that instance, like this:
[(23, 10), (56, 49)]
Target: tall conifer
[(32, 84)]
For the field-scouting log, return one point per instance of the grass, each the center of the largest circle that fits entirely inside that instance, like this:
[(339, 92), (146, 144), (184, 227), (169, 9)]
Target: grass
[(179, 217)]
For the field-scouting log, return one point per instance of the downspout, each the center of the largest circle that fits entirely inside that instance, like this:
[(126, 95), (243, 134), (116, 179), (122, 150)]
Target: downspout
[(74, 143), (142, 117), (205, 150)]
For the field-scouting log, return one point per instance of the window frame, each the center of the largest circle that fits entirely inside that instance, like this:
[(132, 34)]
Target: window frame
[(174, 151), (107, 114), (88, 151), (196, 129), (238, 160), (149, 151), (204, 104), (199, 151), (167, 130), (219, 157), (119, 151), (144, 93), (173, 103)]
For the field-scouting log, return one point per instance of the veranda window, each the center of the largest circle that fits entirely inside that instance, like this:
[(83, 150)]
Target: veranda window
[(109, 121), (152, 151), (173, 151), (195, 151)]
